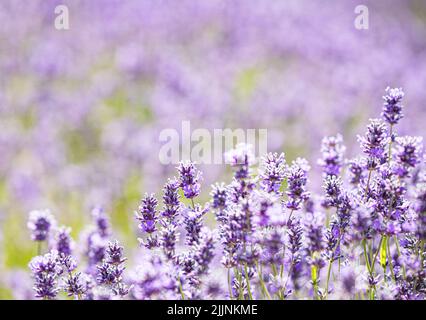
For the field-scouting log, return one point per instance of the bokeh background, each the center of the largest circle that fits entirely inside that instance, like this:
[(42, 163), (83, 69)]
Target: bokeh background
[(81, 110)]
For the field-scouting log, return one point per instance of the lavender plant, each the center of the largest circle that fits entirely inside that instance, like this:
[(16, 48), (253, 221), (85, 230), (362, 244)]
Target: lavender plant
[(363, 237)]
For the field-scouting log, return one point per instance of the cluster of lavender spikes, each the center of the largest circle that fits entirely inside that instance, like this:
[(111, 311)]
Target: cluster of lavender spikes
[(364, 238)]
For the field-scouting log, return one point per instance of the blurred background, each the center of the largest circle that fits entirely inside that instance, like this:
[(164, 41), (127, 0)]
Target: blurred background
[(81, 109)]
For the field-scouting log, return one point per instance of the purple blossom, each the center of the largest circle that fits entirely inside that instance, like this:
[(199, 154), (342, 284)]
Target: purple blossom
[(241, 159), (46, 271), (147, 217), (297, 179), (332, 150), (190, 178), (408, 155), (171, 200), (374, 143), (40, 223), (64, 242), (392, 107), (273, 172)]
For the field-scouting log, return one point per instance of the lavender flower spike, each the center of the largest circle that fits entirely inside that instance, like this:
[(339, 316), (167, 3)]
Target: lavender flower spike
[(297, 179), (242, 158), (190, 178), (40, 223), (374, 142), (332, 149), (64, 242), (273, 172), (147, 217), (171, 199), (392, 108)]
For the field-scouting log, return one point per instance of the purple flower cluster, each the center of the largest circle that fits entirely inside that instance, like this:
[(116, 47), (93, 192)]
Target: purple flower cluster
[(362, 237)]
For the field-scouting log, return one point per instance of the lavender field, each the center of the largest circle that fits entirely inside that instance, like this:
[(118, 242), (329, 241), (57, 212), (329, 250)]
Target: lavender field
[(330, 206)]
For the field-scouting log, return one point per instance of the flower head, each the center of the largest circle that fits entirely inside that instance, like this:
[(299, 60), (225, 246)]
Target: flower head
[(332, 149), (272, 172), (190, 178), (392, 107), (40, 223)]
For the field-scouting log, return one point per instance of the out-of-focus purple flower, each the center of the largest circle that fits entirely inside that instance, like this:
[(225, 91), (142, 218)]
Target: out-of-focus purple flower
[(40, 223), (420, 209), (190, 178), (313, 225), (272, 242), (332, 150), (220, 197), (357, 170), (168, 239), (101, 221), (408, 155), (392, 107), (154, 280), (241, 158), (204, 251), (63, 241), (272, 172)]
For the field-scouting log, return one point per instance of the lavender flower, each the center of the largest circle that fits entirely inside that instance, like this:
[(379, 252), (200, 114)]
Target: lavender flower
[(101, 222), (64, 241), (297, 179), (45, 271), (110, 272), (356, 169), (74, 286), (171, 200), (168, 240), (374, 142), (409, 153), (204, 251), (332, 149), (241, 158), (147, 217), (273, 172), (392, 108), (190, 178), (219, 196), (40, 223), (193, 224)]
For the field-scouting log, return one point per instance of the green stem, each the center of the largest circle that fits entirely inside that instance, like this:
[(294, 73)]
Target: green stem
[(181, 290), (248, 281), (229, 284), (262, 283), (390, 263), (39, 247)]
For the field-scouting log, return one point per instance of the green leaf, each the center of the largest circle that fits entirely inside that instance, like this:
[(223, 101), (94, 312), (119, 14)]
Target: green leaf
[(383, 250), (314, 274)]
